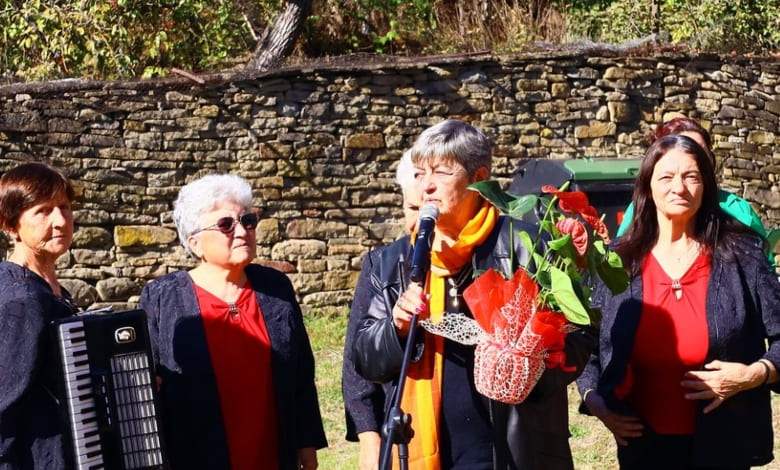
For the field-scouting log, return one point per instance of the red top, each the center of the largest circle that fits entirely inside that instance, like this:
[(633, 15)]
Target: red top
[(240, 352), (671, 339)]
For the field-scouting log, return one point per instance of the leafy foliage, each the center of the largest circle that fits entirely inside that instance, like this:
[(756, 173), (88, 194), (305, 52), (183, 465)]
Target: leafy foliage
[(109, 39), (577, 253), (117, 38), (712, 25)]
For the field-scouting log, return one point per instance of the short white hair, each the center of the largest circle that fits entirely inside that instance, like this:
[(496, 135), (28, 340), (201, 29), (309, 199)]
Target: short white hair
[(203, 195), (404, 173)]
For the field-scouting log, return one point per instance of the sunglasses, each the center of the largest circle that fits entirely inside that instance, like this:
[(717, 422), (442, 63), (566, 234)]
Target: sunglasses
[(227, 225)]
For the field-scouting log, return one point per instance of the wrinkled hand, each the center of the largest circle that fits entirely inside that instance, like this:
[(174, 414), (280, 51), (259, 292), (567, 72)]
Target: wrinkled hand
[(307, 458), (720, 381), (621, 426), (370, 447), (413, 300)]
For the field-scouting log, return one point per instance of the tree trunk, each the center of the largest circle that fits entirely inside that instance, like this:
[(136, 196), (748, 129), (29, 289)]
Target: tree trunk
[(655, 17), (278, 44)]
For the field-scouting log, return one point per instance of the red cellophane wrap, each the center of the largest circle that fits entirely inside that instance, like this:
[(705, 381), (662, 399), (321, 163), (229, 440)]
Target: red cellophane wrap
[(520, 339)]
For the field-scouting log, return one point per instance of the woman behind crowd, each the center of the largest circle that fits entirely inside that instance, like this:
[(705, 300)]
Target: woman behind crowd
[(230, 345), (455, 427), (730, 203), (35, 211), (363, 399), (683, 374)]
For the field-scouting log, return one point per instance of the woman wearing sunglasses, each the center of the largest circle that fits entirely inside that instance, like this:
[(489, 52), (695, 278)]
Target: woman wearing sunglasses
[(229, 344)]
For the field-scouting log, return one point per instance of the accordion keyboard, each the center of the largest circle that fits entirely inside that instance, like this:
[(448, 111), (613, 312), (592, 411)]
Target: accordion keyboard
[(80, 396), (109, 392)]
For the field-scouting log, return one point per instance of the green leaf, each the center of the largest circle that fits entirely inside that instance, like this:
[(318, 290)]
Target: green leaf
[(521, 205), (528, 244), (507, 203), (567, 300), (548, 226), (539, 261), (559, 243), (492, 191), (614, 277), (543, 278), (566, 251), (614, 260)]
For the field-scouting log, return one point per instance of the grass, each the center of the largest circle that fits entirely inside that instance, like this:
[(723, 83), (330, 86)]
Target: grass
[(326, 333), (591, 444)]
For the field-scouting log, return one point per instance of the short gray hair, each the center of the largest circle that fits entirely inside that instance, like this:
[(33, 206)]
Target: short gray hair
[(203, 195), (456, 140)]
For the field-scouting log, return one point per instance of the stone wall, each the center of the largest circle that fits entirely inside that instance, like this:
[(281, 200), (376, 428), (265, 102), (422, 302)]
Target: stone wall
[(320, 144)]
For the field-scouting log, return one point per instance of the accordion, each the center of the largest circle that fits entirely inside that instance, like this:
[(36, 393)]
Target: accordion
[(110, 405)]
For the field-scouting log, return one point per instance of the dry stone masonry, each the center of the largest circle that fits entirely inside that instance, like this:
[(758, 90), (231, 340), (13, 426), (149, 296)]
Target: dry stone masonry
[(319, 143)]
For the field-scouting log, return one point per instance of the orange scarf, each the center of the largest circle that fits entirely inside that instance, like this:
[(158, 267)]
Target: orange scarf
[(422, 392)]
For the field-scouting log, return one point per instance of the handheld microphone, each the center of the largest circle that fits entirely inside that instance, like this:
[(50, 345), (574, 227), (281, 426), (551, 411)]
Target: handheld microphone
[(421, 258)]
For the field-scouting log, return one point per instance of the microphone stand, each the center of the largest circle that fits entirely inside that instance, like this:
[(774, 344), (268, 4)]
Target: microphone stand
[(397, 428)]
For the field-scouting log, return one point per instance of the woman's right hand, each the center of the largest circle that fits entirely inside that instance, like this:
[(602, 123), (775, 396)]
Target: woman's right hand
[(413, 300), (622, 427)]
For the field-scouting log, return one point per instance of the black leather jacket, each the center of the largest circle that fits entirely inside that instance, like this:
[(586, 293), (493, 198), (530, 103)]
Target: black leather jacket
[(531, 435)]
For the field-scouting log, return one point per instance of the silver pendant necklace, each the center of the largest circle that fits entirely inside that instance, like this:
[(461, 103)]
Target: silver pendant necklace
[(685, 259), (455, 283)]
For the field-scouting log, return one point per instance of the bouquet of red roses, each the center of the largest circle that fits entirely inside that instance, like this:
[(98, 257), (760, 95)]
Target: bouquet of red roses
[(521, 322)]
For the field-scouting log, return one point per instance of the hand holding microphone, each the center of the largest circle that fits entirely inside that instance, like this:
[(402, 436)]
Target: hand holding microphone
[(413, 300)]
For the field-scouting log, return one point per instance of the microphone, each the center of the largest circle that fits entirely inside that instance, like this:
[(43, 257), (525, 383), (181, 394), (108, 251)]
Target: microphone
[(421, 258)]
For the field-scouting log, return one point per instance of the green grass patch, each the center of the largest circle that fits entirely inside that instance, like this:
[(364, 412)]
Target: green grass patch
[(326, 333), (592, 445)]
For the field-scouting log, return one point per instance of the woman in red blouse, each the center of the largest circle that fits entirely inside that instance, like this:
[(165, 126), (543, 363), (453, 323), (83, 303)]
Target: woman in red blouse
[(683, 372), (229, 343)]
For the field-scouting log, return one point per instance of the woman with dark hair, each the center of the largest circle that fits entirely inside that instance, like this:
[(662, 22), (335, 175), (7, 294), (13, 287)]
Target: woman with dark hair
[(683, 373), (35, 210), (229, 344), (731, 204)]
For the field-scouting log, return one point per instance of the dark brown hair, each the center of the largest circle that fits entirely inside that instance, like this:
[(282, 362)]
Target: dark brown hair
[(27, 185), (642, 234)]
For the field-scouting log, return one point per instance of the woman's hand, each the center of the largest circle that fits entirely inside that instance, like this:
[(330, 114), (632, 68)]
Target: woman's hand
[(722, 380), (370, 447), (621, 426), (307, 458), (413, 300)]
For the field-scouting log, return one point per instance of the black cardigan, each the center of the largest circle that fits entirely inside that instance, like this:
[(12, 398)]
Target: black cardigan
[(30, 427), (743, 313), (194, 431)]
